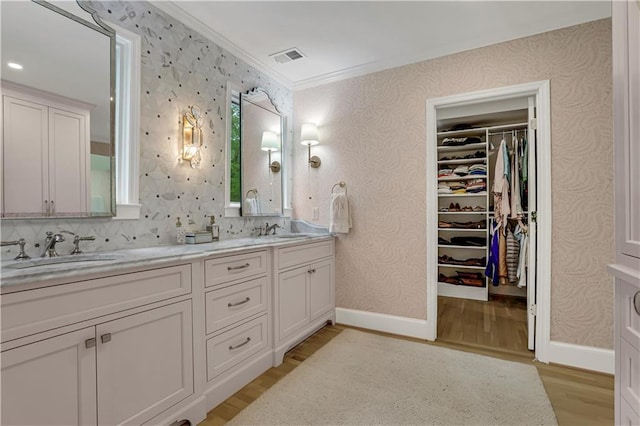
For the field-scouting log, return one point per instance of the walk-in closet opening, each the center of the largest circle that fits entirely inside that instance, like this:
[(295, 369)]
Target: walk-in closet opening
[(483, 170)]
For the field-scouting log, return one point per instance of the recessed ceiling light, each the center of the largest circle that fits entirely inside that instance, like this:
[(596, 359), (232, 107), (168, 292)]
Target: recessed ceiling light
[(14, 65)]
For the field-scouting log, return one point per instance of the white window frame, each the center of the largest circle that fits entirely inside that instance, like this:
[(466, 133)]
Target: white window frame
[(127, 124)]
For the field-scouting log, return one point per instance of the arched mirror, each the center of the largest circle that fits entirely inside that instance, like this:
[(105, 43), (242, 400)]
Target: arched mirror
[(58, 90), (261, 128)]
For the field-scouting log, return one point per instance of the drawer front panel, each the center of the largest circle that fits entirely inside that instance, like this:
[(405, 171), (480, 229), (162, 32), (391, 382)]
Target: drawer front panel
[(234, 346), (630, 327), (297, 255), (630, 374), (235, 303), (30, 312), (232, 268)]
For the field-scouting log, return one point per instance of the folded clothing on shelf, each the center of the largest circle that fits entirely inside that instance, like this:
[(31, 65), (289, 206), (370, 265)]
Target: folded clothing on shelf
[(461, 141), (461, 170), (469, 241), (477, 154)]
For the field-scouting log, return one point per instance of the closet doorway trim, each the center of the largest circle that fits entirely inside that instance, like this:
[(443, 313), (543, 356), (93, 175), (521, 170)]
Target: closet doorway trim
[(541, 91)]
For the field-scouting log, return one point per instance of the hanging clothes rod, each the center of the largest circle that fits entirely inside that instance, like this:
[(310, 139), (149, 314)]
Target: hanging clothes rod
[(505, 132)]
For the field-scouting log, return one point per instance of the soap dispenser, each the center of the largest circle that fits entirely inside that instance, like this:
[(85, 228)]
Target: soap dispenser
[(181, 237), (213, 228)]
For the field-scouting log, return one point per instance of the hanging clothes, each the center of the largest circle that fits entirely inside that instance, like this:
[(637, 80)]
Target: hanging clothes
[(501, 184), (515, 207), (513, 256), (521, 235), (491, 271)]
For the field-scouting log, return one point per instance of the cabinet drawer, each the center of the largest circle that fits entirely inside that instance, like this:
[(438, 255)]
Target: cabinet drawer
[(628, 416), (297, 255), (229, 348), (231, 268), (33, 311), (630, 319), (630, 374), (235, 303)]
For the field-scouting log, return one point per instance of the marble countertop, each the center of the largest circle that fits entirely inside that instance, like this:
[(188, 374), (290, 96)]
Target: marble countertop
[(15, 277)]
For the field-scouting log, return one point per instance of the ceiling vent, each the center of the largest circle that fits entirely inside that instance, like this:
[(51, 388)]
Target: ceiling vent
[(287, 55)]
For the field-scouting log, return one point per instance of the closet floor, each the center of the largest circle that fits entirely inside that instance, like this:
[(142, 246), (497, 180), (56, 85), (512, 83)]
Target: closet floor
[(499, 324), (578, 397)]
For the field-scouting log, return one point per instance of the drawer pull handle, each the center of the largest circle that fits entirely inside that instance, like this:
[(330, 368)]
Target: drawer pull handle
[(236, 268), (636, 302), (240, 345), (231, 305), (105, 338), (90, 343), (311, 271)]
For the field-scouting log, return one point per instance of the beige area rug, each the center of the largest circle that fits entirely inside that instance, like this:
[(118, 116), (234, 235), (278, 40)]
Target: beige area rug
[(366, 379)]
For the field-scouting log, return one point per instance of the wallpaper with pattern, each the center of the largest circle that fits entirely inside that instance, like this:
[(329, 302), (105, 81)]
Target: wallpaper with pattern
[(179, 68), (372, 135)]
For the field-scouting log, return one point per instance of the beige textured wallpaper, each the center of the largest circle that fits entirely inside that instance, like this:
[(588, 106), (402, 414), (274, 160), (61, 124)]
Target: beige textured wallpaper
[(372, 131)]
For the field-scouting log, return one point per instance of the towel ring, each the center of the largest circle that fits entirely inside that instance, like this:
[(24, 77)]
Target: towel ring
[(341, 184), (255, 193)]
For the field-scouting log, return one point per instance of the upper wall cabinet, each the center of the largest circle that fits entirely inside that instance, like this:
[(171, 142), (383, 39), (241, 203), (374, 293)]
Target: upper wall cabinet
[(58, 75)]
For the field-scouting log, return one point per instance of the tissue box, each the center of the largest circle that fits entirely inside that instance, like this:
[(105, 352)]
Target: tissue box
[(198, 237)]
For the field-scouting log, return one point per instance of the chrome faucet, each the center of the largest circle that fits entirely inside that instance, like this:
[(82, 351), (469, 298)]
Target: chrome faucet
[(268, 228), (50, 244)]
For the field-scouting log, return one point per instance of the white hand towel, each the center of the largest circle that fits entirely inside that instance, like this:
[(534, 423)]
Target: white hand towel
[(339, 214), (251, 205)]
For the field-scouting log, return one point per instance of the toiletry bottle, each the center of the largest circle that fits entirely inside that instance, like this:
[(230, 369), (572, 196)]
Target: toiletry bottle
[(180, 232), (213, 228)]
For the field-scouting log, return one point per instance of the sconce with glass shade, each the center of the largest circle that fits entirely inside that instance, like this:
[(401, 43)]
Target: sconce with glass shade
[(271, 143), (192, 139), (309, 137)]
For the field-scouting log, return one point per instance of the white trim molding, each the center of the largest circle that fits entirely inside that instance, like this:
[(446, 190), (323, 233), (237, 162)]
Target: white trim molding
[(541, 91), (578, 356), (173, 9), (402, 326)]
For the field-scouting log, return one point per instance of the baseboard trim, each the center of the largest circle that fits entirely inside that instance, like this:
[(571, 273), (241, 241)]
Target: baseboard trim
[(585, 357), (403, 326)]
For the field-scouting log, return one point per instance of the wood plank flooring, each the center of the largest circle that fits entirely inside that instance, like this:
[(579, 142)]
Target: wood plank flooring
[(578, 397)]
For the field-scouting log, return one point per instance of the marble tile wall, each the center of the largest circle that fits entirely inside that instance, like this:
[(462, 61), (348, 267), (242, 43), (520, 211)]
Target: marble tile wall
[(179, 68)]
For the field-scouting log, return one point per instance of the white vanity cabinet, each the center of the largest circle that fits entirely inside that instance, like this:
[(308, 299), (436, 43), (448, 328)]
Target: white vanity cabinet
[(93, 357), (304, 292), (46, 165), (237, 317), (626, 85)]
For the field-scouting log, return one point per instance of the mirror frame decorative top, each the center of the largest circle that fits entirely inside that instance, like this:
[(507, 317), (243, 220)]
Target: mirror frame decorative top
[(261, 138), (58, 138)]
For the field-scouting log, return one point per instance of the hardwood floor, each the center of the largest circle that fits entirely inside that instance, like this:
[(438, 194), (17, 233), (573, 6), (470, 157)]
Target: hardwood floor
[(500, 323), (578, 397)]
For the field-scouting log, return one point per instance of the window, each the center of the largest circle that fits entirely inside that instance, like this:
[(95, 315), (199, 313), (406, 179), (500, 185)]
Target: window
[(235, 190)]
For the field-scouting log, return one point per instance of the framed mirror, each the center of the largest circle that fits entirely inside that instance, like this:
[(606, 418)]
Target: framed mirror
[(261, 129), (58, 90)]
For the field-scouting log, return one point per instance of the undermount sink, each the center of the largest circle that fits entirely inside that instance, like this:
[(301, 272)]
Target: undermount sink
[(44, 261)]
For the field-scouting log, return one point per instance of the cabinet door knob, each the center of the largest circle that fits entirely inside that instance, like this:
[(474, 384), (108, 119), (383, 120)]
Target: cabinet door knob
[(105, 338), (90, 343), (636, 302), (311, 271)]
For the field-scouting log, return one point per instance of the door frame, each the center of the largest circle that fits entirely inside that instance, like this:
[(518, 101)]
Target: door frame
[(541, 91)]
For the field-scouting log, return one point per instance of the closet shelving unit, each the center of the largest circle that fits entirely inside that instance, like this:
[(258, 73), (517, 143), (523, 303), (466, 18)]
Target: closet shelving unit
[(451, 157)]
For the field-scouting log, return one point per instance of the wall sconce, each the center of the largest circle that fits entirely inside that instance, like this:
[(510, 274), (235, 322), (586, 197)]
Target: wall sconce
[(270, 143), (309, 136), (192, 137)]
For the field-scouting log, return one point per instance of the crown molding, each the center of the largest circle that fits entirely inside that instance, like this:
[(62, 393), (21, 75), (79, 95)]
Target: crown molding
[(175, 11)]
